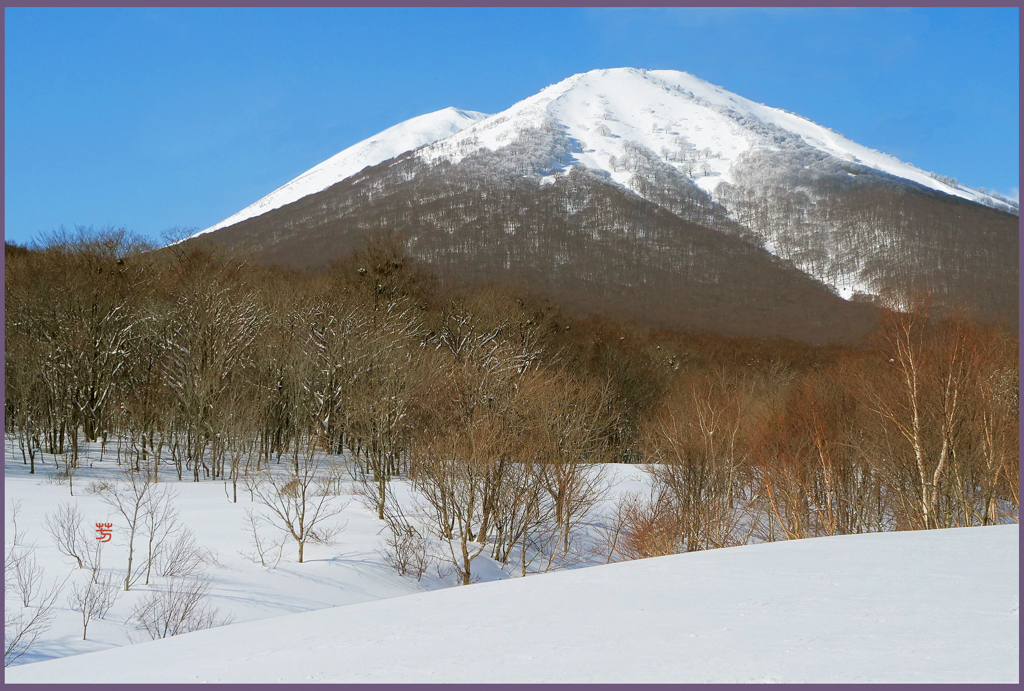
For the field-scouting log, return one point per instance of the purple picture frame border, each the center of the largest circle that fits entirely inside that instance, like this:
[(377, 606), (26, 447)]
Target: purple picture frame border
[(469, 4)]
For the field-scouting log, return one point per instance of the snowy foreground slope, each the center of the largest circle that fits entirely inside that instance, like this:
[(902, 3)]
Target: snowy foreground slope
[(936, 606), (350, 569)]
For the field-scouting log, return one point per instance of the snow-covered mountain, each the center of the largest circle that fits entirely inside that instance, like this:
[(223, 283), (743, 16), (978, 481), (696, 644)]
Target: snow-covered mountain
[(556, 193), (405, 136), (700, 129)]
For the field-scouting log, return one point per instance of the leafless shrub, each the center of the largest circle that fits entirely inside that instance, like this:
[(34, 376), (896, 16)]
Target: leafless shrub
[(22, 630), (407, 552), (335, 477), (64, 473), (27, 577), (99, 487), (56, 477), (65, 526), (178, 607), (24, 575), (94, 599), (641, 527), (11, 552), (183, 556), (263, 549)]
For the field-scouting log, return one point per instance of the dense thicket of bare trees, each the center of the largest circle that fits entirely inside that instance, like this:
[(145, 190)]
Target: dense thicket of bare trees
[(499, 409)]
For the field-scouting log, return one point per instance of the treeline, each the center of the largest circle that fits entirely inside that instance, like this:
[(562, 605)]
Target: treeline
[(498, 407)]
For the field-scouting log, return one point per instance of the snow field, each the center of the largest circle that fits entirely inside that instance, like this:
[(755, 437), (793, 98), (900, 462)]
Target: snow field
[(934, 606), (350, 570), (930, 606)]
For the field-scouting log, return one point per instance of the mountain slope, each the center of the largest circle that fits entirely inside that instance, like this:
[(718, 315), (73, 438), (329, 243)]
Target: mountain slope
[(405, 136), (692, 122), (580, 240), (788, 180), (927, 606)]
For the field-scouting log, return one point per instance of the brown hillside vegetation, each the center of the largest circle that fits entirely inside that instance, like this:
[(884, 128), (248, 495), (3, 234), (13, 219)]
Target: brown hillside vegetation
[(586, 244), (496, 404), (847, 221)]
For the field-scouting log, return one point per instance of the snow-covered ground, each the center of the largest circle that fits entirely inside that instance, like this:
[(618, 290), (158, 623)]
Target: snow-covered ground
[(935, 606), (350, 570)]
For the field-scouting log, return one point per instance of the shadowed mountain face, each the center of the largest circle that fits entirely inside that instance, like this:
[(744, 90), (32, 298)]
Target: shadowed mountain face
[(579, 240)]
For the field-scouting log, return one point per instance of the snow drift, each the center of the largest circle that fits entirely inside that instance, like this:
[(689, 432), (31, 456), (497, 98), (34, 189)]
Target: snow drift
[(935, 606)]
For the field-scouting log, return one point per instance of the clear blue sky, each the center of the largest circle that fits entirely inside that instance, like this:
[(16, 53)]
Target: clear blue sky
[(155, 118)]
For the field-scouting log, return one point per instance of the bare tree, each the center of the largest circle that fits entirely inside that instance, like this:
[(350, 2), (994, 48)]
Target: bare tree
[(210, 332), (299, 502), (159, 522), (918, 402), (67, 473), (569, 436), (469, 419), (65, 526), (94, 599), (130, 499), (93, 557), (694, 440), (450, 474)]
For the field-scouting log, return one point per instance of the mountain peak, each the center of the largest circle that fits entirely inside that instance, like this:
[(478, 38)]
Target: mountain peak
[(697, 127)]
